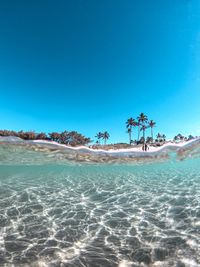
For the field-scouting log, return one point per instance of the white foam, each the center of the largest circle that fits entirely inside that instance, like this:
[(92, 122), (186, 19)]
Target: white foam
[(169, 144), (125, 263), (190, 263)]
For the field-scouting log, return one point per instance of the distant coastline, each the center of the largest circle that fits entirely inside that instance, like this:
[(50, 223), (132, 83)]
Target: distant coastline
[(169, 144), (105, 149), (141, 124)]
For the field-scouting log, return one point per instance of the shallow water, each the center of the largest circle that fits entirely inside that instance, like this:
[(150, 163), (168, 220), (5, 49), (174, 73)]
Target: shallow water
[(63, 213)]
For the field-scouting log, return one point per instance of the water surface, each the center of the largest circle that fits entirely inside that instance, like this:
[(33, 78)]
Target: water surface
[(67, 213)]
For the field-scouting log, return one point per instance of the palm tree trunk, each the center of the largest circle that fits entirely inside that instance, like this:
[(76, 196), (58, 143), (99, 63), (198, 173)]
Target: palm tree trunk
[(130, 137), (152, 134), (138, 133), (144, 135)]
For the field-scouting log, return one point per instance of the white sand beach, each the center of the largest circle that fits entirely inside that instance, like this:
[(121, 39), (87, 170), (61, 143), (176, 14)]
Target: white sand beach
[(167, 145)]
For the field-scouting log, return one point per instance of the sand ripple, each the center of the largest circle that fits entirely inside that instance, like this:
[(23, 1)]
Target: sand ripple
[(100, 215)]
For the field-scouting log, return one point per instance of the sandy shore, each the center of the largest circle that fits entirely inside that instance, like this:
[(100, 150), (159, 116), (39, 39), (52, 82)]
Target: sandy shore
[(169, 145)]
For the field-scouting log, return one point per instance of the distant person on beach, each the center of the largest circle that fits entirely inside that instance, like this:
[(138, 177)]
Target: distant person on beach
[(146, 147), (143, 147)]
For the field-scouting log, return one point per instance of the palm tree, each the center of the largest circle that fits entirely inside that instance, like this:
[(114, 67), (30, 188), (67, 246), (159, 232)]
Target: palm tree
[(152, 125), (105, 136), (99, 136), (129, 131), (129, 124), (143, 128), (158, 135), (142, 120), (164, 137), (138, 125)]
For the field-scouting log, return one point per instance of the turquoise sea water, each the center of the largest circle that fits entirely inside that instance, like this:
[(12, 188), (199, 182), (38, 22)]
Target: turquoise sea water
[(67, 213)]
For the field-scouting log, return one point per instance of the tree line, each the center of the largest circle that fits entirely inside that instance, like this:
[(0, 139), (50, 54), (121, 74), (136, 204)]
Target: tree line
[(71, 138), (142, 123), (102, 136)]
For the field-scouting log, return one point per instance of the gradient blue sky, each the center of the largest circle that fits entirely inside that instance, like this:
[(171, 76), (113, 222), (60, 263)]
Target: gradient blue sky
[(89, 65)]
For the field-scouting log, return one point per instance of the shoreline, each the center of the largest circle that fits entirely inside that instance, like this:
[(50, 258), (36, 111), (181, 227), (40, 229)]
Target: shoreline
[(55, 151), (168, 145)]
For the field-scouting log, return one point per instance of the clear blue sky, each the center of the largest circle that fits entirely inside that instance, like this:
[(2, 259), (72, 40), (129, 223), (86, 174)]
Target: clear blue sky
[(89, 65)]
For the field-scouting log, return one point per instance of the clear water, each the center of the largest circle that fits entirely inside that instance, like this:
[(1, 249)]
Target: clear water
[(56, 213)]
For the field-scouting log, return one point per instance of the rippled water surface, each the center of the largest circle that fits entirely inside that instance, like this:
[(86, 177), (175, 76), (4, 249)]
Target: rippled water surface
[(102, 215)]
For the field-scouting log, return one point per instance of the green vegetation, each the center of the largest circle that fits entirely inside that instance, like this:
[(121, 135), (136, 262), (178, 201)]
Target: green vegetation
[(102, 136), (130, 124), (142, 123), (180, 137), (72, 138)]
